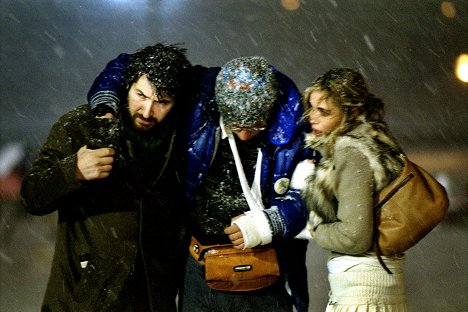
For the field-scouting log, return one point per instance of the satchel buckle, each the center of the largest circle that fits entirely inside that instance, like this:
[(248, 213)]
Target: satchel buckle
[(196, 248)]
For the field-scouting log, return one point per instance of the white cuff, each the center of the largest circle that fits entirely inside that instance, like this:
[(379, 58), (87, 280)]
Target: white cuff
[(255, 229), (314, 219), (306, 232), (312, 223), (303, 169)]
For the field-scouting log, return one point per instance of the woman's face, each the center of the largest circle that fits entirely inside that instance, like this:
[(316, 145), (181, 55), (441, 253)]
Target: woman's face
[(324, 115)]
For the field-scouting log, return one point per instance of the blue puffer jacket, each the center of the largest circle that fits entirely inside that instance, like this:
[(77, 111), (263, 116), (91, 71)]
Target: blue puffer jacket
[(202, 134), (281, 155)]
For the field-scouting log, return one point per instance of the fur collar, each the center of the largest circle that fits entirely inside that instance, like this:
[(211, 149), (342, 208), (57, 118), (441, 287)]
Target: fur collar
[(374, 141)]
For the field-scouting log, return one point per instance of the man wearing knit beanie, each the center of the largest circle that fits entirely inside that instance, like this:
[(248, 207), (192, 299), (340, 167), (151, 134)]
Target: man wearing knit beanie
[(245, 91), (244, 140)]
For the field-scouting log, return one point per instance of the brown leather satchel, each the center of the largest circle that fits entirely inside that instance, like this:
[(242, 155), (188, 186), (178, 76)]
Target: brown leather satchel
[(407, 209), (230, 269)]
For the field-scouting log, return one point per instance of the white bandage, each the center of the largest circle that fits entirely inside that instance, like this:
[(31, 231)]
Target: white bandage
[(255, 228)]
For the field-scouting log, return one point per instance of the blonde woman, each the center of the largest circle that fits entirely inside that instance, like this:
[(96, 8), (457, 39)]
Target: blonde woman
[(360, 157)]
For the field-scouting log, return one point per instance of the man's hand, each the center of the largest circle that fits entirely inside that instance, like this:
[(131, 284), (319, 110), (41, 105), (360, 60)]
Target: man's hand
[(94, 164), (235, 235), (106, 115)]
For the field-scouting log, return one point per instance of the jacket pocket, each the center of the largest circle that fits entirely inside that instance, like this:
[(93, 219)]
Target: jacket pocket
[(100, 283)]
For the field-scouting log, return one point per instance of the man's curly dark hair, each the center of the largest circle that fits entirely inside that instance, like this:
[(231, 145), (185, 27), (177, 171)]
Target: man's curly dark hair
[(166, 67)]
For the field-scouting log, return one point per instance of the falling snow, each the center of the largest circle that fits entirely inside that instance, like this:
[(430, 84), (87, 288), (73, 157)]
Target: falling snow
[(52, 50)]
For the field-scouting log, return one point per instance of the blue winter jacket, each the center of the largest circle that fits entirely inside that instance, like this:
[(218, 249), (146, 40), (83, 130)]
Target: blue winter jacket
[(280, 157)]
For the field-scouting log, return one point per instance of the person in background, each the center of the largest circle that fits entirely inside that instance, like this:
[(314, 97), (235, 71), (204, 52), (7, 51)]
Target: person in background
[(12, 168), (114, 183), (360, 157), (261, 108)]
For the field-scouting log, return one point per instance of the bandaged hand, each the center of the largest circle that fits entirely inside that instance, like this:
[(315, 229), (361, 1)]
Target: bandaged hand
[(254, 227)]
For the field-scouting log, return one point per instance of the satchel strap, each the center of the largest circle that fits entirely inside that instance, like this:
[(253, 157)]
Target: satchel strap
[(197, 250), (378, 253), (394, 190), (377, 209), (252, 194)]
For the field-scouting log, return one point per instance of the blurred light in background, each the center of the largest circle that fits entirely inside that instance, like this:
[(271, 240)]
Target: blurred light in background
[(448, 9), (461, 67), (291, 5)]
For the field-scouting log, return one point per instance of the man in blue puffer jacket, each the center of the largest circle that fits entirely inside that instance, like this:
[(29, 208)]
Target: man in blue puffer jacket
[(251, 103)]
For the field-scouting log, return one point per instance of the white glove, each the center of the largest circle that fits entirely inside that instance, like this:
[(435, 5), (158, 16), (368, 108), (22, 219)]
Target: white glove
[(303, 169)]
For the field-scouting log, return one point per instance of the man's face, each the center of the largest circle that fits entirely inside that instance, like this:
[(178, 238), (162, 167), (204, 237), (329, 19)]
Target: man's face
[(145, 107), (247, 133)]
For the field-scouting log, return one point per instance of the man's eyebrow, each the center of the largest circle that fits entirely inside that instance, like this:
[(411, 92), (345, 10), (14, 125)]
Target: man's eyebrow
[(164, 99), (138, 90)]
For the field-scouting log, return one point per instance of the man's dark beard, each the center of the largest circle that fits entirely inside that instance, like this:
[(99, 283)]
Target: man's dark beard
[(142, 128)]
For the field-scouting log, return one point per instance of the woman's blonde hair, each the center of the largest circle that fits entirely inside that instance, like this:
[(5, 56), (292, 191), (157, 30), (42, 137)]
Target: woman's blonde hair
[(347, 89)]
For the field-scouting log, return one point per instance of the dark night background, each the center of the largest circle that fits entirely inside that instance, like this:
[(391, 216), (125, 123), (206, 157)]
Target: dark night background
[(51, 50)]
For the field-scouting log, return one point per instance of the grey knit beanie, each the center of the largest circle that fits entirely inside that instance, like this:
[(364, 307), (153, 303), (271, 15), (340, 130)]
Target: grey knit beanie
[(246, 89)]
